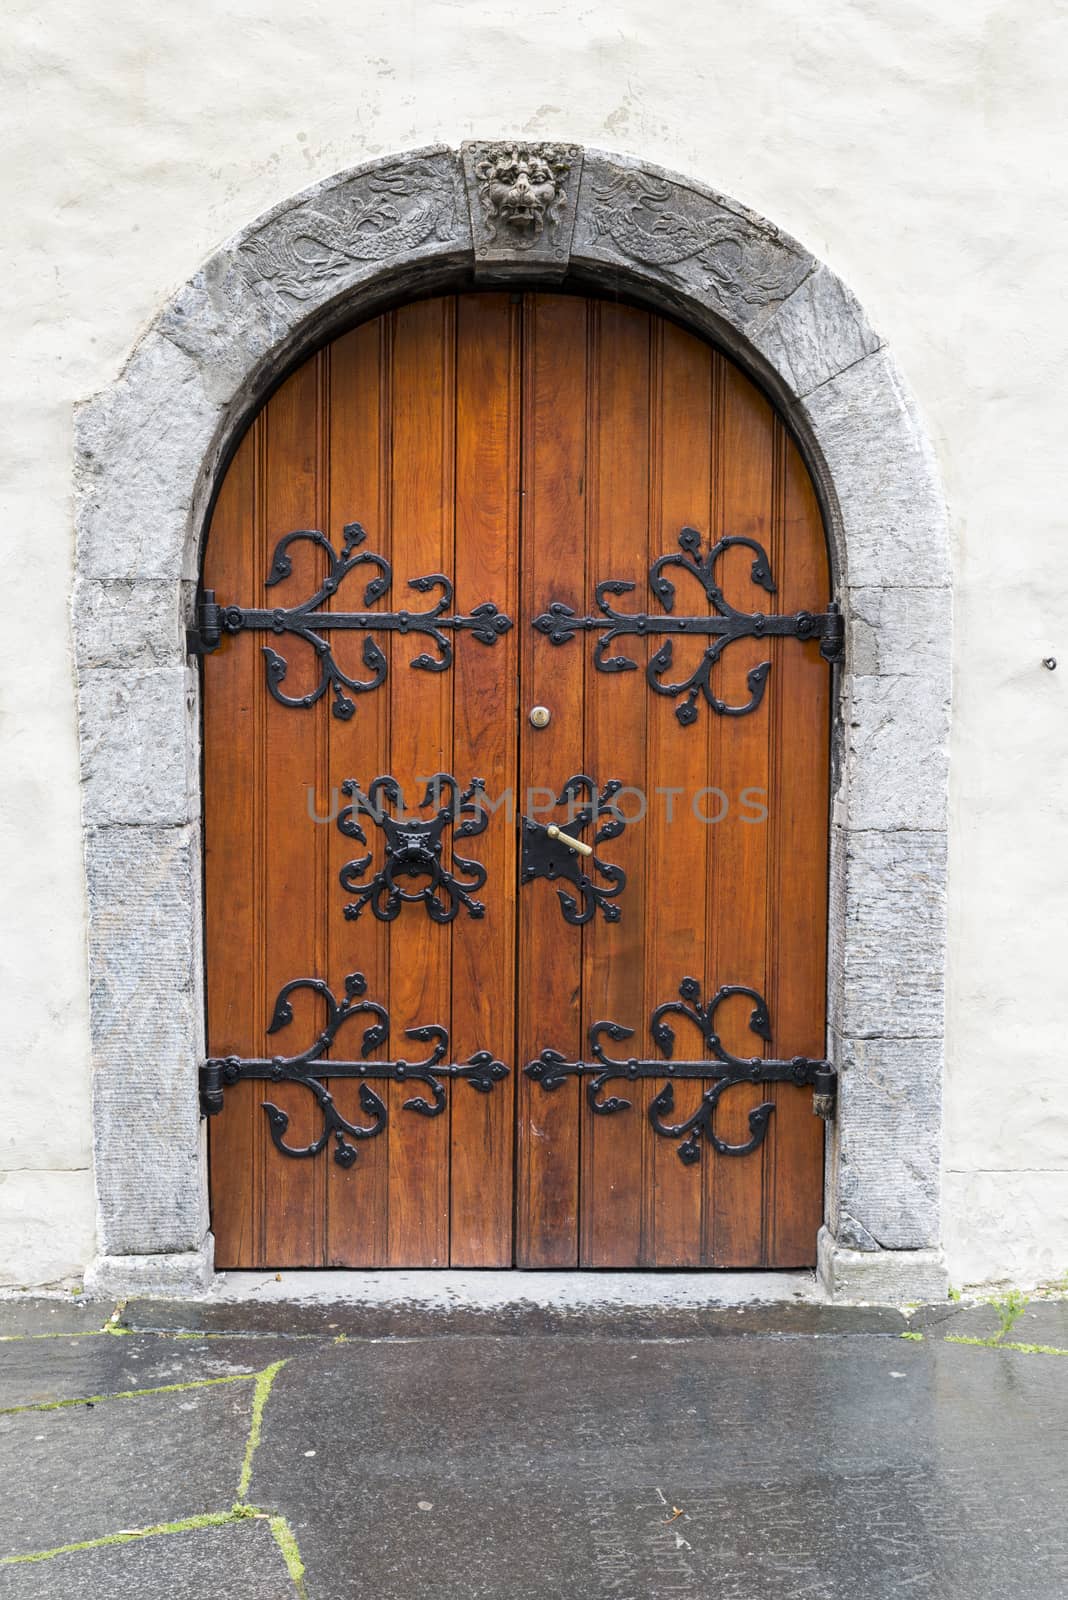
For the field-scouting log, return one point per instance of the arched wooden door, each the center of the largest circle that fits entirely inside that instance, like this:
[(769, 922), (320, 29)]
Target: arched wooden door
[(483, 488)]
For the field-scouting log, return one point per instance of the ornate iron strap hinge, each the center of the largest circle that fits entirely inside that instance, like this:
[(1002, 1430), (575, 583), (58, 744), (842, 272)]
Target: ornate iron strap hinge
[(308, 622), (482, 1071), (551, 1070), (555, 851), (723, 625)]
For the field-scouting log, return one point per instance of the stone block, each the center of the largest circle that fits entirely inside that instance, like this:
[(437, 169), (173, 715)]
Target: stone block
[(902, 633), (896, 767), (140, 447), (881, 1277), (147, 1037), (521, 195), (181, 1273), (139, 746), (887, 934), (815, 333), (889, 1142), (884, 475), (122, 622)]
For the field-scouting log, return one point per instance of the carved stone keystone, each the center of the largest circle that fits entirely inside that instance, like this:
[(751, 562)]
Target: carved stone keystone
[(522, 200)]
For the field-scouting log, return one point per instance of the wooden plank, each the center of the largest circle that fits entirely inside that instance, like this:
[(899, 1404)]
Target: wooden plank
[(679, 842), (485, 685), (613, 982), (738, 909), (293, 903), (553, 567), (422, 510), (357, 1196), (236, 1006), (797, 953)]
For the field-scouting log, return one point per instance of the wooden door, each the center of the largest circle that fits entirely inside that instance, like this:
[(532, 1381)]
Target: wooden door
[(421, 933)]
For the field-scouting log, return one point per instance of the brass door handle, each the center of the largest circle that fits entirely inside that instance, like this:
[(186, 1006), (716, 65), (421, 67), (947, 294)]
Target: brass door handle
[(580, 847)]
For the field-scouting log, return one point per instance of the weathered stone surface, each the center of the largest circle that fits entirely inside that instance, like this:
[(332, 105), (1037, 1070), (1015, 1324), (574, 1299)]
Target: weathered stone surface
[(905, 633), (146, 1018), (139, 746), (86, 1471), (896, 753), (889, 1143), (239, 1560), (816, 333), (883, 472), (185, 1272), (887, 936), (898, 1276), (140, 448), (687, 237), (121, 622)]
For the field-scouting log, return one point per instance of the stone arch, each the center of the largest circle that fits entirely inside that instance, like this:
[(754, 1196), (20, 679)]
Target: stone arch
[(150, 450)]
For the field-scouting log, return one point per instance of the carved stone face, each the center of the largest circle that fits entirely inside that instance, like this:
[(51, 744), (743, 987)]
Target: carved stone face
[(520, 185)]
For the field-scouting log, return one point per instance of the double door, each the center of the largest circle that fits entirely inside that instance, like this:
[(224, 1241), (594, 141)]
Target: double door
[(515, 770)]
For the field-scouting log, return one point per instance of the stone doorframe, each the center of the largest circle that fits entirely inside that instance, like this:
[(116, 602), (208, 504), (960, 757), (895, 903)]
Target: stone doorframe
[(150, 451)]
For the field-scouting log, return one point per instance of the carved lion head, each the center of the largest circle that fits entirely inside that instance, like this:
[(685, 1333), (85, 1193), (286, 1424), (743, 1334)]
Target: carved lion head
[(521, 185)]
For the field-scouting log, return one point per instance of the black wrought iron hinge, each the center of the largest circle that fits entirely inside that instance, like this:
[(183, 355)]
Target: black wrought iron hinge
[(482, 1071), (725, 1070), (206, 633), (311, 622), (722, 626)]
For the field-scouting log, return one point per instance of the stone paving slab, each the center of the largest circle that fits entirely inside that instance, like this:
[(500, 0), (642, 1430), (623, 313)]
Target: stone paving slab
[(35, 1370), (803, 1469), (1043, 1322), (237, 1562), (83, 1472), (41, 1315)]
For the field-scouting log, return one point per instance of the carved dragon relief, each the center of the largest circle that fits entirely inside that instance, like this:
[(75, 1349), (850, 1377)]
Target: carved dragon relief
[(390, 213), (656, 222)]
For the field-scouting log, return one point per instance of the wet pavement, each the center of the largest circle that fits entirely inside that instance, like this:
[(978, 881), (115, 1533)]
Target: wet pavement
[(789, 1452)]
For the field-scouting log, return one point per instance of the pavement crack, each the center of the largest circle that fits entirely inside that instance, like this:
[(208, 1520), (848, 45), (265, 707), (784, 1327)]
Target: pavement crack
[(133, 1394), (264, 1382)]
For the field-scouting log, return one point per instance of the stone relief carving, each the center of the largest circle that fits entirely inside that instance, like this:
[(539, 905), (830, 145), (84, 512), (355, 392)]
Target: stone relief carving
[(387, 215), (521, 188), (667, 226), (522, 199)]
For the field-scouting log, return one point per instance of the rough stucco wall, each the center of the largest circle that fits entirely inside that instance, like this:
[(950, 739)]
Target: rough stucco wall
[(918, 149)]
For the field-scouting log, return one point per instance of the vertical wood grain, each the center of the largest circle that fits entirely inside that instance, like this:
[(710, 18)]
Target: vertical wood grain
[(553, 567), (485, 685), (617, 708), (422, 509)]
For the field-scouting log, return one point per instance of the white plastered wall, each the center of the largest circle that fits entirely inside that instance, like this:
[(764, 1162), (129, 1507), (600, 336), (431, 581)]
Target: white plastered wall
[(918, 150)]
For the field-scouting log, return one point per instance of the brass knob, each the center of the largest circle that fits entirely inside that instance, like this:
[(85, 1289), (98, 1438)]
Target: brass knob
[(580, 847), (540, 717)]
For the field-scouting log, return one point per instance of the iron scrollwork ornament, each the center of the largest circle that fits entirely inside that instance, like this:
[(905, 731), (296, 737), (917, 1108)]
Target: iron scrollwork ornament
[(552, 1069), (308, 621), (547, 852), (482, 1071), (413, 871), (723, 625)]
